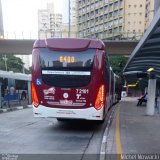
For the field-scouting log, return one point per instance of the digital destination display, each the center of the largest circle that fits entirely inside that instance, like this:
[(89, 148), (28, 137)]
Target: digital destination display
[(67, 59)]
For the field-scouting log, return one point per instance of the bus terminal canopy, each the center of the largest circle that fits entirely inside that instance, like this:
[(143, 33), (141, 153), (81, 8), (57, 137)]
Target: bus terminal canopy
[(146, 55), (16, 76)]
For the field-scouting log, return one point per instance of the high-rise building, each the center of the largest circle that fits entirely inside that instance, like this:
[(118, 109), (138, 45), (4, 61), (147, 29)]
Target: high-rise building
[(114, 19), (151, 8), (134, 18), (100, 19), (49, 22), (1, 22), (70, 19)]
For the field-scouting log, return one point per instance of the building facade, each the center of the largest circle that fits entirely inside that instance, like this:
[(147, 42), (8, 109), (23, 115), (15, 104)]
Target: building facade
[(151, 8), (114, 19), (101, 19), (70, 21), (49, 22), (134, 18)]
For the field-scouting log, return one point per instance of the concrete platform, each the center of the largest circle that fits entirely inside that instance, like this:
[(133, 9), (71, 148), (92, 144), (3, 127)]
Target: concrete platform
[(16, 106), (131, 131)]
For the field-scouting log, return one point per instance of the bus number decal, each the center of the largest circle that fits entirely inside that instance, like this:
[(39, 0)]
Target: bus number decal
[(82, 91)]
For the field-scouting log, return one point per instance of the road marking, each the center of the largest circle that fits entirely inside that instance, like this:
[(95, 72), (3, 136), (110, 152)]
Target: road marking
[(118, 137), (105, 135)]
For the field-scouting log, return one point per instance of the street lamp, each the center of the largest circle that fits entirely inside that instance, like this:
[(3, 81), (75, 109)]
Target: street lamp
[(5, 61), (69, 9)]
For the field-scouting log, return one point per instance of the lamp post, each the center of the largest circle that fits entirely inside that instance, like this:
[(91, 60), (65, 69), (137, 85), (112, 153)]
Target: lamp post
[(5, 61), (69, 9)]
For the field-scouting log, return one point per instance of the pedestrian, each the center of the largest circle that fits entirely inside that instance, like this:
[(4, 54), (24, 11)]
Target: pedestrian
[(142, 99), (12, 90)]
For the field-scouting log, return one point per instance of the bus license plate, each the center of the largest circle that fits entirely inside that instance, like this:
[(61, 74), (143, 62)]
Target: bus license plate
[(66, 102)]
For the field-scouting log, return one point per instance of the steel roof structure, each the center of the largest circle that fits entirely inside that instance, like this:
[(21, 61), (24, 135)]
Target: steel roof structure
[(146, 54)]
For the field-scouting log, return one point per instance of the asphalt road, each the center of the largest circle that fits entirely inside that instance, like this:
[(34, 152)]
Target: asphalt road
[(21, 133)]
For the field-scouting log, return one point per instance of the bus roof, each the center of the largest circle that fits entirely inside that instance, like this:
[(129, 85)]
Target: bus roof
[(70, 44)]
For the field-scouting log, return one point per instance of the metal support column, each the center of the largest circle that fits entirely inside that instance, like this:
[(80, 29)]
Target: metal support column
[(151, 95), (0, 95), (69, 9), (29, 93)]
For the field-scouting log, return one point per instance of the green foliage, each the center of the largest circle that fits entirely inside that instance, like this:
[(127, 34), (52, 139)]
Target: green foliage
[(118, 63), (12, 63)]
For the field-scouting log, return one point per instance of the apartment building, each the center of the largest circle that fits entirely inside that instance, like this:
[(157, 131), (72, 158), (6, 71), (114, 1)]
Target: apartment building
[(72, 12), (134, 18), (49, 22), (151, 8), (115, 19), (101, 19)]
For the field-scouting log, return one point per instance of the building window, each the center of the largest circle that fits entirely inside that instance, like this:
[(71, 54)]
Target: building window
[(129, 6), (135, 6), (129, 22), (140, 22), (140, 13), (140, 5)]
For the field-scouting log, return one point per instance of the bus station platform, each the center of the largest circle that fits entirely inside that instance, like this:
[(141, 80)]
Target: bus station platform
[(131, 131)]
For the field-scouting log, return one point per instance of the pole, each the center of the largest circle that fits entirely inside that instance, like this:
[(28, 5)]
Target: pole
[(151, 95), (0, 95), (5, 61), (29, 93), (69, 9)]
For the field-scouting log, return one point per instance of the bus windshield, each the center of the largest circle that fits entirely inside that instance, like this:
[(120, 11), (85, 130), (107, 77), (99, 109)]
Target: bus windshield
[(65, 68)]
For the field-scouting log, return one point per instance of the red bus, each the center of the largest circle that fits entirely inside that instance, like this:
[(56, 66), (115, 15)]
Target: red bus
[(71, 79)]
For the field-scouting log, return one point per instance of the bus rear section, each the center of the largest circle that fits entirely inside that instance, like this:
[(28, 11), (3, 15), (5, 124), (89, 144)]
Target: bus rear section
[(68, 79)]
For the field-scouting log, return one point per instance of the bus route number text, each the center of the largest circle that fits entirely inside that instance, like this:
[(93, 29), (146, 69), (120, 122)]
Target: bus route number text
[(67, 59)]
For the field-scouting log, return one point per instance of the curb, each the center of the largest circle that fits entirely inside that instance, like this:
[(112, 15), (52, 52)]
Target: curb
[(105, 135), (4, 110)]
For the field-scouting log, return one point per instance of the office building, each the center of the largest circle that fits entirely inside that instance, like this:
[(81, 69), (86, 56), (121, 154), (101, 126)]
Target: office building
[(70, 19), (49, 22), (134, 18), (114, 19), (101, 19), (151, 8)]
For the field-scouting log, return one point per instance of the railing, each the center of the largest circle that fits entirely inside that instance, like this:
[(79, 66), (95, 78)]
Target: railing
[(103, 34)]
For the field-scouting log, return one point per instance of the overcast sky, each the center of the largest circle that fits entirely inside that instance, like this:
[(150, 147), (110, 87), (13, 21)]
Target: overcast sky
[(22, 15)]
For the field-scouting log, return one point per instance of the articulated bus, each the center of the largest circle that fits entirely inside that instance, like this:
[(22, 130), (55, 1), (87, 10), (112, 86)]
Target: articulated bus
[(71, 79)]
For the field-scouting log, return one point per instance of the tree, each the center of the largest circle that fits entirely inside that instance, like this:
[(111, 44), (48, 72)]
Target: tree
[(11, 63), (118, 63)]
